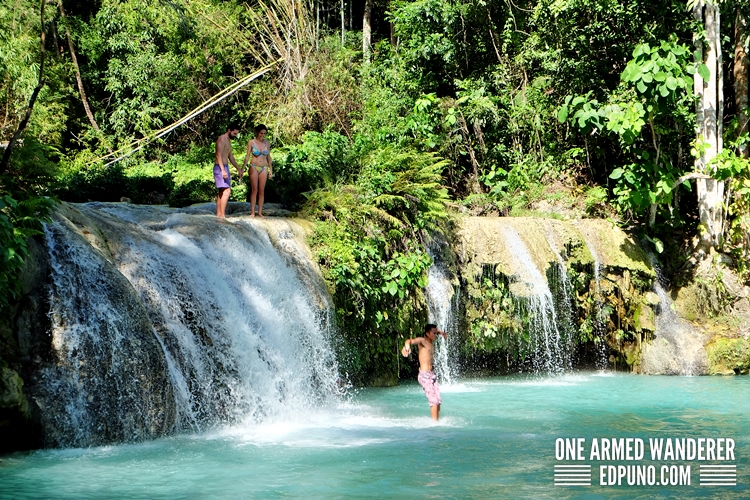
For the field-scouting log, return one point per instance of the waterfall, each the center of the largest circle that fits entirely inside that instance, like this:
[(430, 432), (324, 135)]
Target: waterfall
[(599, 329), (166, 321), (442, 302), (678, 347), (550, 351), (563, 290)]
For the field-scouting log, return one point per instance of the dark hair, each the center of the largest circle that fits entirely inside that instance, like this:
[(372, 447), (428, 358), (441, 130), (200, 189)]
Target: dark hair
[(233, 126), (428, 327), (259, 128)]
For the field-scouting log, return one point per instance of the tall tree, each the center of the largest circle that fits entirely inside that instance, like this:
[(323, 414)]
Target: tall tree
[(741, 77), (79, 80), (367, 31), (708, 88), (22, 126)]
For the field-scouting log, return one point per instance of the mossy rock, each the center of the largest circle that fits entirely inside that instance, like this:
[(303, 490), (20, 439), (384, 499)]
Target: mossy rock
[(616, 250), (11, 392), (728, 356), (644, 319), (632, 353)]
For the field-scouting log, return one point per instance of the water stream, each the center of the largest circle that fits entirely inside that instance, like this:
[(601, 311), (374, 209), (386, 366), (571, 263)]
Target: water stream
[(678, 347), (551, 352), (442, 302), (599, 329), (217, 336)]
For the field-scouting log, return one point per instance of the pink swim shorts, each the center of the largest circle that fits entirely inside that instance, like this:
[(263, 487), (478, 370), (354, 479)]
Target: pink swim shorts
[(428, 381)]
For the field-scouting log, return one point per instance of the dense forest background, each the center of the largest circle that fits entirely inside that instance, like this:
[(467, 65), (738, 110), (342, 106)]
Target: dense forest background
[(385, 116)]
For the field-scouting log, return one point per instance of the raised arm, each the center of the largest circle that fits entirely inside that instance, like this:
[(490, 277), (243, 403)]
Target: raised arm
[(410, 342)]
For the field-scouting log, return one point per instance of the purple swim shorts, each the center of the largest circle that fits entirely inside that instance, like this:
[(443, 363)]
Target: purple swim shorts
[(428, 381), (221, 182)]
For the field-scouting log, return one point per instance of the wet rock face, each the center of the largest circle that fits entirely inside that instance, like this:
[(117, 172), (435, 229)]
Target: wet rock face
[(583, 284), (96, 373), (137, 322), (19, 420), (68, 373)]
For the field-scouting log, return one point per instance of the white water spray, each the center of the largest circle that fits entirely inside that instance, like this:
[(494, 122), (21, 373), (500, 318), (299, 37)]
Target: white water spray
[(441, 298), (239, 331), (599, 326), (677, 348), (551, 354)]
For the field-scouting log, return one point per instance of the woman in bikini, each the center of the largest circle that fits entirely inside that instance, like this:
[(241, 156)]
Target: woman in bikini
[(259, 156)]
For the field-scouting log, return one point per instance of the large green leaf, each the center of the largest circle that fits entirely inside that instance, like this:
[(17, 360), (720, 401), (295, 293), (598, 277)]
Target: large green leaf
[(704, 72), (616, 173)]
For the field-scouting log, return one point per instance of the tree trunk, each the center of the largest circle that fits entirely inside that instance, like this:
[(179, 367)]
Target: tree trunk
[(709, 127), (741, 79), (343, 30), (367, 31), (22, 126), (84, 100)]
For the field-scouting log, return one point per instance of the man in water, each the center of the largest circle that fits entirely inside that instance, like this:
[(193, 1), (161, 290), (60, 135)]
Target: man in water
[(427, 378), (222, 177)]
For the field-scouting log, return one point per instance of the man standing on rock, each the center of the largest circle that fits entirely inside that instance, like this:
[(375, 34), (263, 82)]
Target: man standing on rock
[(222, 177), (427, 378)]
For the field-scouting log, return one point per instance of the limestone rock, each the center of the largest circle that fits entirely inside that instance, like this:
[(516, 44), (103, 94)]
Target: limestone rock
[(651, 298), (644, 319)]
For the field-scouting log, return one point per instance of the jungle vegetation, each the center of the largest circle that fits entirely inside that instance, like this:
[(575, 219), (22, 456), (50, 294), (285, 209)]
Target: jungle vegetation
[(385, 117)]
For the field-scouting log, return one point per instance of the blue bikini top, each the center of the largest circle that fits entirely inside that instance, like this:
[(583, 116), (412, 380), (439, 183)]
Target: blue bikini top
[(258, 152)]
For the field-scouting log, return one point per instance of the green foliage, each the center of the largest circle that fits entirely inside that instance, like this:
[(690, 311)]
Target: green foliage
[(154, 62), (645, 115), (178, 181), (428, 34), (318, 160), (368, 242), (19, 73), (736, 171), (482, 84), (595, 198), (18, 221), (728, 356), (493, 324)]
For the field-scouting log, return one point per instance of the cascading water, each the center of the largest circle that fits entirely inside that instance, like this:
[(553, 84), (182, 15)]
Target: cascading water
[(441, 301), (177, 322), (677, 348), (563, 291), (551, 353), (599, 329)]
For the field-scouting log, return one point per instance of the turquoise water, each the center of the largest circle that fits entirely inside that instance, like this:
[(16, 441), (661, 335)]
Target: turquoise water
[(496, 439)]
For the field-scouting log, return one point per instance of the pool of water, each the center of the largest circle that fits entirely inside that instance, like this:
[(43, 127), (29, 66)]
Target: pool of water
[(496, 439)]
